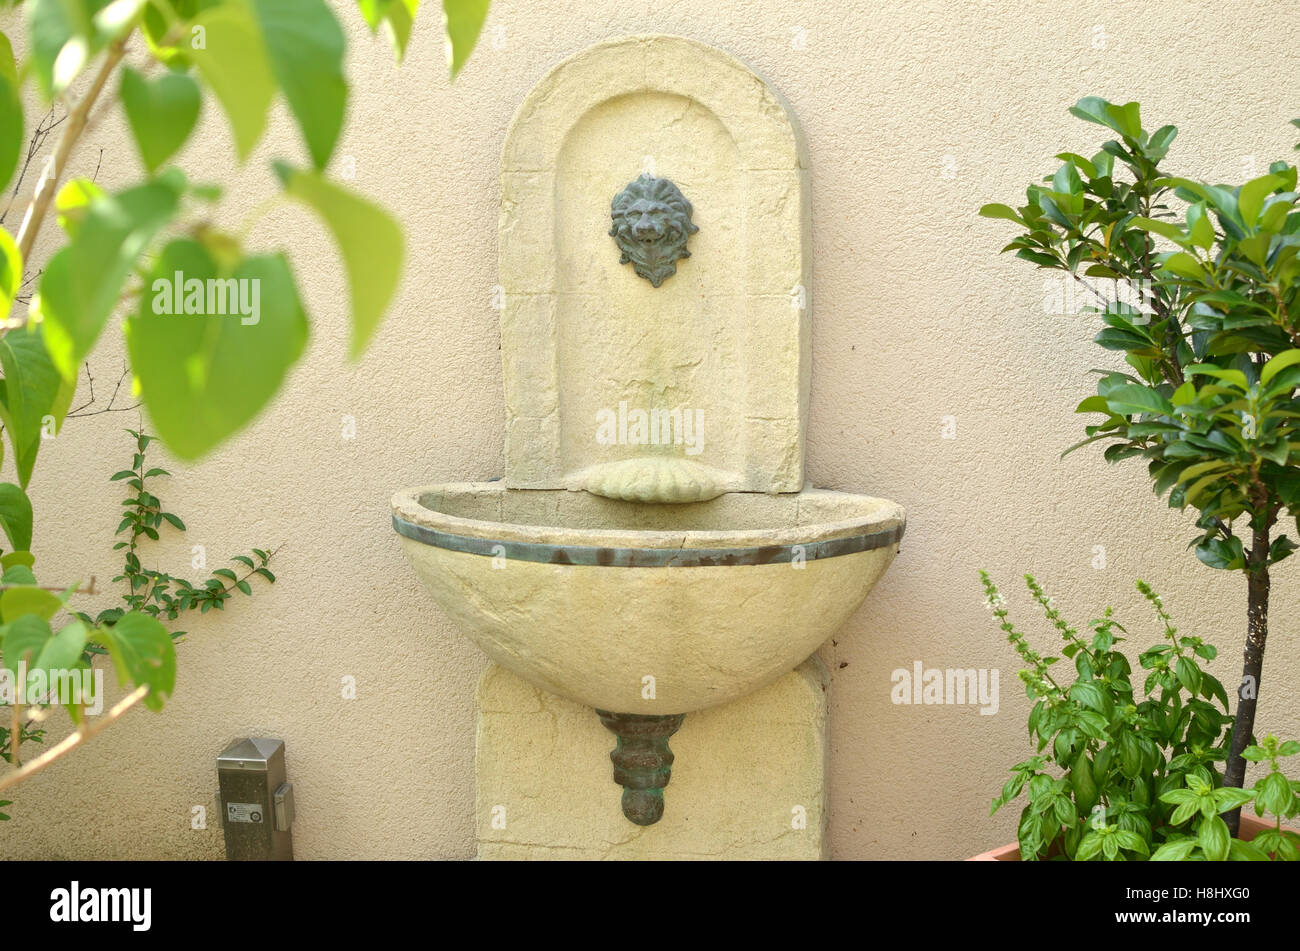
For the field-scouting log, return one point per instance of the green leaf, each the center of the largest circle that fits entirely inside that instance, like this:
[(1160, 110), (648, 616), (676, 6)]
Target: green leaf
[(1211, 686), (9, 559), (305, 47), (1130, 755), (1093, 109), (11, 112), (23, 639), (1184, 265), (1132, 841), (1088, 694), (1200, 228), (1281, 549), (1089, 847), (398, 14), (116, 16), (203, 376), (373, 12), (1223, 553), (73, 202), (1229, 798), (11, 273), (1066, 181), (16, 516), (62, 652), (1200, 469), (32, 395), (1235, 377), (1157, 146), (62, 40), (1039, 258), (1135, 399), (1189, 675), (164, 33), (82, 282), (1277, 364), (1240, 851), (18, 574), (995, 210), (1175, 850), (162, 113), (1214, 839), (1273, 795), (1127, 119), (233, 62), (370, 242), (142, 653), (1081, 163), (1082, 782), (1110, 847), (1124, 119), (1162, 228), (1250, 199), (464, 21)]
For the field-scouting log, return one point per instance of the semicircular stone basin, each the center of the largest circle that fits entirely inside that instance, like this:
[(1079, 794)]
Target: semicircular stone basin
[(646, 609)]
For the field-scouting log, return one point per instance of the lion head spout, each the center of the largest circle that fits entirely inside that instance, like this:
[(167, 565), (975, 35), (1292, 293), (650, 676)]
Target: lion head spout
[(652, 222)]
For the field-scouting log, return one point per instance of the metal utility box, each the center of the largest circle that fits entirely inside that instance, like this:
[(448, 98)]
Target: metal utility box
[(256, 801)]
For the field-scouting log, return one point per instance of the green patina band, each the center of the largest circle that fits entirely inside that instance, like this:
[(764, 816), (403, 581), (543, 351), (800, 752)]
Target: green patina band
[(647, 557)]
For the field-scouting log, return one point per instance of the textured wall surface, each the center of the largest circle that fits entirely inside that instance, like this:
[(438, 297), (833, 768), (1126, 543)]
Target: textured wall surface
[(915, 114)]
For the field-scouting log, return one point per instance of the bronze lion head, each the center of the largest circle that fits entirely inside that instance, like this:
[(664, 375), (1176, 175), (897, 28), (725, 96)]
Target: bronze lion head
[(652, 222)]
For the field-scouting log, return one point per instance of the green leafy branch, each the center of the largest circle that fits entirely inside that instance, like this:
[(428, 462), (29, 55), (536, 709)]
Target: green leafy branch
[(200, 379), (1105, 758), (157, 593), (1208, 836), (134, 637), (1212, 339)]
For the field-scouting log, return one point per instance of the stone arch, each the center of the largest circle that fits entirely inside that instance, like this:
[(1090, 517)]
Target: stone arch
[(730, 331)]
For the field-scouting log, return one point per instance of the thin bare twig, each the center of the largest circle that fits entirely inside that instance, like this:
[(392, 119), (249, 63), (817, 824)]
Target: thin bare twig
[(83, 410), (34, 146), (75, 739)]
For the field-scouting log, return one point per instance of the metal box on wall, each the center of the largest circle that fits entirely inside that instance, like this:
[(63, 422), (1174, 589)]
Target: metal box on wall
[(256, 801)]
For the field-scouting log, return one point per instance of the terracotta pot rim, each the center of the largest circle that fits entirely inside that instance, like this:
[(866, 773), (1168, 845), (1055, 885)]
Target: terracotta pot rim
[(1011, 853)]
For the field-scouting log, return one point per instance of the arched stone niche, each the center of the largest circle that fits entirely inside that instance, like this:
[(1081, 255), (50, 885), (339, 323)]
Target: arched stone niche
[(720, 351)]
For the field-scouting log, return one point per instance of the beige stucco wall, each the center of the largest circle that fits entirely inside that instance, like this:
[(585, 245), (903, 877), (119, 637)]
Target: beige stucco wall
[(915, 114)]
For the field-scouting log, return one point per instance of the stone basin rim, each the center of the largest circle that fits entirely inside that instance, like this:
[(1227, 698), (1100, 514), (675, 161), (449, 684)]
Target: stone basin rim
[(878, 523)]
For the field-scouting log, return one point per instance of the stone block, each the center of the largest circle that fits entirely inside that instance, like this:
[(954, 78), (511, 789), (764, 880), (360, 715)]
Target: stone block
[(748, 781)]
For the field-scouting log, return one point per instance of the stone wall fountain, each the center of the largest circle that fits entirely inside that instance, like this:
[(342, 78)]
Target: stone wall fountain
[(652, 550)]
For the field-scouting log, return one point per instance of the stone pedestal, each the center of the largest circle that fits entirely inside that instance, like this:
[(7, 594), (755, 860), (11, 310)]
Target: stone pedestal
[(749, 780)]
